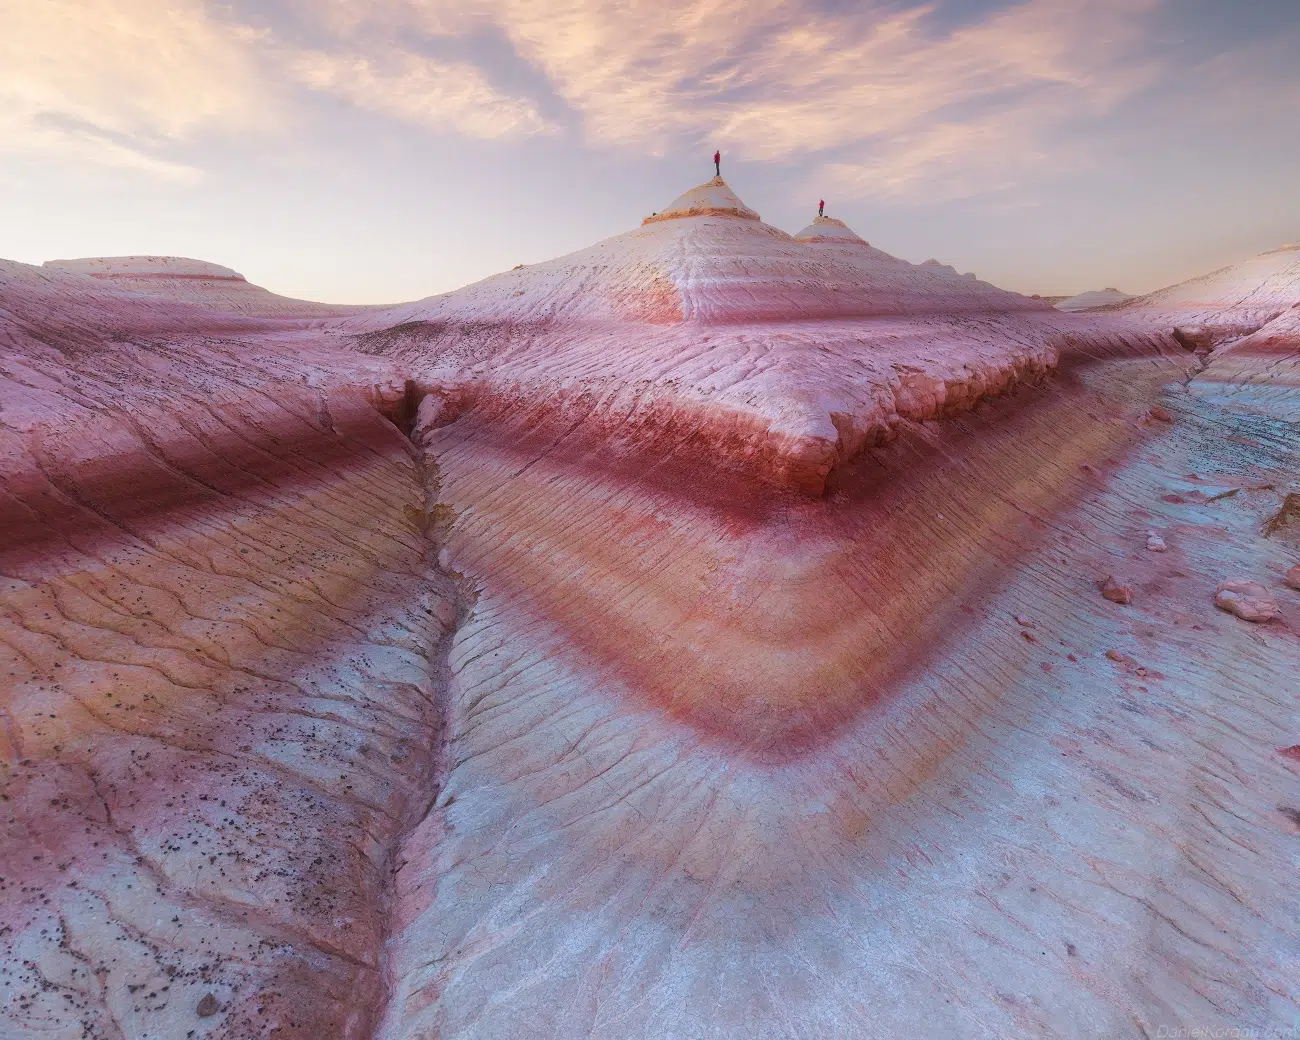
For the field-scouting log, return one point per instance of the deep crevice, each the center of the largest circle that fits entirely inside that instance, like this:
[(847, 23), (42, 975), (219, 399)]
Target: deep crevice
[(455, 591)]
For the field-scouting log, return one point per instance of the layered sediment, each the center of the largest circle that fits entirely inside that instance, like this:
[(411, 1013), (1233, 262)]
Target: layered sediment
[(721, 760), (181, 280), (1226, 304), (221, 645), (713, 339), (698, 635)]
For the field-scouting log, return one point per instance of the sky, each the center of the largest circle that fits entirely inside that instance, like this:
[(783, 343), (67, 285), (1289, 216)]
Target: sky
[(375, 151)]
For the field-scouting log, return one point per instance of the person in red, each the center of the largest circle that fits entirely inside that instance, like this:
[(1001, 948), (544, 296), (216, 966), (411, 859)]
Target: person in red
[(717, 163), (821, 208)]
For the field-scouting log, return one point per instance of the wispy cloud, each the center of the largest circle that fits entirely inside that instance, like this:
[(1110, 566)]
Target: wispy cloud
[(879, 98), (113, 82), (128, 83), (888, 102), (452, 96)]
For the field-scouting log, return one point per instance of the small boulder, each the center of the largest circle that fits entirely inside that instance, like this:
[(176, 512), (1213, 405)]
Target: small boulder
[(1115, 592), (207, 1006), (1160, 414), (1155, 543), (1293, 577), (1249, 600)]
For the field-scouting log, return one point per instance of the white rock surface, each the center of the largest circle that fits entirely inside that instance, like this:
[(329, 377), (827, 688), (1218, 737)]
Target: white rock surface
[(1096, 298), (1226, 304), (199, 282)]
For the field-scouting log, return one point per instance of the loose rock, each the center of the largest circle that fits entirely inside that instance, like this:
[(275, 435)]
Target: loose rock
[(1155, 543), (1293, 577), (1249, 600), (1115, 592), (207, 1006)]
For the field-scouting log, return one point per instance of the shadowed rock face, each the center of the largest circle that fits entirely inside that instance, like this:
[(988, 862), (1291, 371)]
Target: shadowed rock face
[(739, 676)]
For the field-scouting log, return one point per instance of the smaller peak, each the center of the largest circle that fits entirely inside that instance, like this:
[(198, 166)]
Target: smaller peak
[(939, 268), (828, 229), (711, 199), (146, 267)]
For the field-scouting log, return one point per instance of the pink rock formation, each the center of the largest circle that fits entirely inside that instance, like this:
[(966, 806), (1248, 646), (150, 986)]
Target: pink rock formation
[(1249, 600), (828, 229), (708, 335), (712, 199), (219, 650), (1228, 303), (1261, 370), (1093, 300), (1116, 592), (721, 655), (194, 281)]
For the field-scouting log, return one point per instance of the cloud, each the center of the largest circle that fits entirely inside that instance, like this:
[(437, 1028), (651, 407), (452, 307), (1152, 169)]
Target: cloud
[(440, 95), (130, 84), (876, 89), (878, 97), (118, 82)]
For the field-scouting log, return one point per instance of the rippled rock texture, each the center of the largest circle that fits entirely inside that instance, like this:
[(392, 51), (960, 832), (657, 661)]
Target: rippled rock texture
[(221, 636), (696, 636)]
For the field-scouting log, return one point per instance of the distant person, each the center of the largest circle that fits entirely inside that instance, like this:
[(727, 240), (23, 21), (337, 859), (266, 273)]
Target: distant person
[(717, 163), (821, 208)]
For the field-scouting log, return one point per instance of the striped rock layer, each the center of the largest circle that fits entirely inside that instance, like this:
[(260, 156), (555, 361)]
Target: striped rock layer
[(696, 636)]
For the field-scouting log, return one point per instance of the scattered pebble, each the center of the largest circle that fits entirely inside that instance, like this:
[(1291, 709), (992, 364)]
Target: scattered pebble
[(1115, 592), (1024, 621), (207, 1006), (1293, 577), (1155, 543), (1120, 658), (1249, 600), (1160, 414)]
